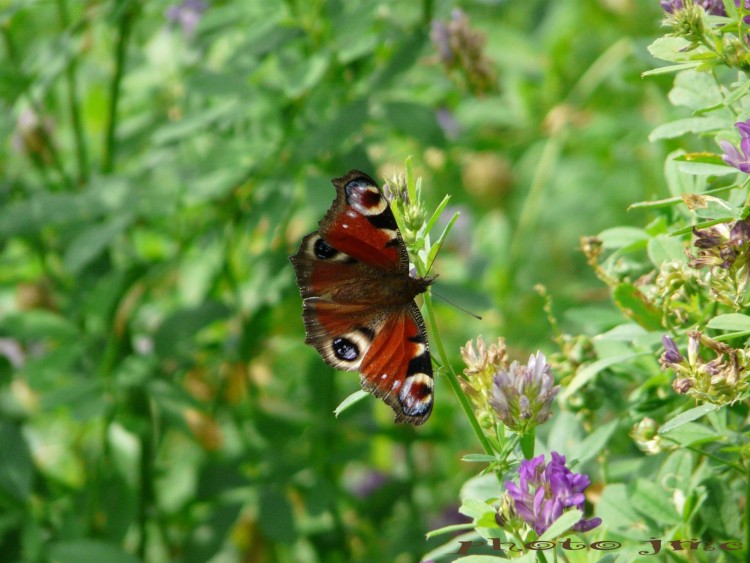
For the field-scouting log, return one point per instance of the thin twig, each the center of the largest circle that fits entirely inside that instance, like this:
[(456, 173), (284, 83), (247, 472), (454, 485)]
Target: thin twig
[(125, 27), (73, 99)]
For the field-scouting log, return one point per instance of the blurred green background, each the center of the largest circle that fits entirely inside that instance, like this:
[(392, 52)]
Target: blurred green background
[(160, 162)]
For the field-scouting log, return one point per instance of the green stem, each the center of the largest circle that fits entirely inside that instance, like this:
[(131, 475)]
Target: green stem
[(126, 26), (747, 512), (453, 379), (428, 7), (73, 99), (533, 203), (146, 474)]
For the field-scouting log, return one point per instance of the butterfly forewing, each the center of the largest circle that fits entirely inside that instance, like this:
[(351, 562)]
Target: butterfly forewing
[(361, 224)]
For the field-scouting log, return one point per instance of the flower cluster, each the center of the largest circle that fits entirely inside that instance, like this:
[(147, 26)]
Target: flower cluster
[(689, 19), (725, 250), (646, 436), (187, 15), (517, 395), (482, 363), (412, 213), (720, 381), (676, 290), (713, 7), (546, 490), (460, 47)]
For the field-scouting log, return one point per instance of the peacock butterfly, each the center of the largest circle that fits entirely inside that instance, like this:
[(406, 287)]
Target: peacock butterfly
[(358, 299)]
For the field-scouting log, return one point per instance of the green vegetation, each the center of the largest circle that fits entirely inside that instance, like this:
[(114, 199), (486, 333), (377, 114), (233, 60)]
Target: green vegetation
[(161, 161)]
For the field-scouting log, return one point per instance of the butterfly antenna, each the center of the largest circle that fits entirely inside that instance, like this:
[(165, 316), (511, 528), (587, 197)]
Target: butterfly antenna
[(477, 317)]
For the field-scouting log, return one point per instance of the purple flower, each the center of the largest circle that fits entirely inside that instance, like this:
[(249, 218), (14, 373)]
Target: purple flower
[(441, 38), (545, 491), (739, 158), (187, 14), (671, 353), (713, 7), (448, 123), (522, 395), (369, 483)]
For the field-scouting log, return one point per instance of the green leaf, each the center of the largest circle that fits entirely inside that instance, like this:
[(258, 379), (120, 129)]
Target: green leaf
[(85, 401), (737, 93), (176, 334), (44, 210), (568, 519), (705, 169), (652, 500), (439, 243), (354, 37), (689, 125), (92, 242), (636, 306), (731, 321), (692, 433), (587, 373), (695, 90), (680, 183), (415, 120), (88, 551), (671, 69), (305, 75), (16, 466), (619, 237), (663, 248), (527, 443), (483, 487), (475, 509), (670, 48), (195, 123), (449, 529), (706, 157), (350, 401), (687, 416), (275, 516), (594, 442), (479, 458), (615, 507), (427, 229), (39, 324), (345, 122)]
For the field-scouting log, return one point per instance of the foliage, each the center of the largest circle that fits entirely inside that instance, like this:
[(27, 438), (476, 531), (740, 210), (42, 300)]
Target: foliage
[(162, 160), (680, 283)]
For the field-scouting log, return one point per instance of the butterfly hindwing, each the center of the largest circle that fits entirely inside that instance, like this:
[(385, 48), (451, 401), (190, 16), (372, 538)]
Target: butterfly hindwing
[(398, 367)]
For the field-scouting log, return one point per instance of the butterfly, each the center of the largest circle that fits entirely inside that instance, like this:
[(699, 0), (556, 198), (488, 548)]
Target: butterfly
[(358, 299)]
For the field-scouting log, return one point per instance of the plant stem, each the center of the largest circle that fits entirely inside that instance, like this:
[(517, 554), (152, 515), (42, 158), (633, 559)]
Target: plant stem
[(453, 379), (125, 27), (44, 135), (73, 99), (533, 203), (146, 473)]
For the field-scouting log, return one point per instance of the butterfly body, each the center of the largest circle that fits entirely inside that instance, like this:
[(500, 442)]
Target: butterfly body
[(358, 299)]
